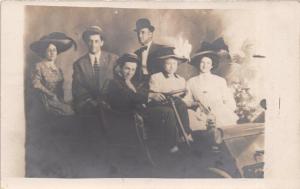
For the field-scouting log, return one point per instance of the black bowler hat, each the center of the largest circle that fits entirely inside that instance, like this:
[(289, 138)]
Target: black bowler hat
[(61, 41), (143, 23), (127, 57), (206, 50), (168, 52)]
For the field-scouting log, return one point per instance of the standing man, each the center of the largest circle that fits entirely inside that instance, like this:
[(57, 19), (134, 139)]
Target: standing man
[(147, 53), (91, 71)]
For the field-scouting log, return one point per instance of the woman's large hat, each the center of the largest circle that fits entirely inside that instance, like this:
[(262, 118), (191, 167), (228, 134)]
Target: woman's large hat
[(127, 57), (168, 52), (61, 41), (143, 23), (206, 50)]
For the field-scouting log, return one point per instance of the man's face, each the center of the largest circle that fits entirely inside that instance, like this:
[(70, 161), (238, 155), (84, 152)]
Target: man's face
[(144, 36), (51, 52), (94, 43), (170, 65), (205, 65), (128, 70)]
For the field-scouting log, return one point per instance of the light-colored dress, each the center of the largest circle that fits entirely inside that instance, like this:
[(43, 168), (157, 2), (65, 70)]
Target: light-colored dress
[(212, 92), (48, 79)]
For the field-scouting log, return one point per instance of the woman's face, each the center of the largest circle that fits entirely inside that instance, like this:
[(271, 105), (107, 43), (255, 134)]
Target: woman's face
[(205, 65), (128, 70), (170, 65), (51, 52)]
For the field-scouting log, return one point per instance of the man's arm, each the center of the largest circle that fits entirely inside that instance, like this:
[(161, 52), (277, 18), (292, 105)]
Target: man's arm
[(81, 96)]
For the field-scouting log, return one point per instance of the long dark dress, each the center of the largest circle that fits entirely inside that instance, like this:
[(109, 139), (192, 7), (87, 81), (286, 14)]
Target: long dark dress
[(123, 99), (160, 120), (48, 80)]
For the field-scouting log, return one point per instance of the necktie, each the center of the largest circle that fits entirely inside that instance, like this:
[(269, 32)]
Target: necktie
[(96, 66)]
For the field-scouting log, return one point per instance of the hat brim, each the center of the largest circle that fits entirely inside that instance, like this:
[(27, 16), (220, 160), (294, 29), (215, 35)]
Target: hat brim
[(40, 46), (180, 59), (195, 59), (151, 28)]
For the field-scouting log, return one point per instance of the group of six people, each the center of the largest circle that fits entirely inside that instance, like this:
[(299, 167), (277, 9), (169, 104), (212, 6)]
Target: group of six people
[(139, 81)]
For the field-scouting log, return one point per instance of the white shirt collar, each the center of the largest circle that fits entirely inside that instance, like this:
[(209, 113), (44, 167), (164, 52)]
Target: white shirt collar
[(93, 56), (148, 45)]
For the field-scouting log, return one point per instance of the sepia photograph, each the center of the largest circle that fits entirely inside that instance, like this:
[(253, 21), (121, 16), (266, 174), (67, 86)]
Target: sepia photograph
[(163, 92), (114, 92)]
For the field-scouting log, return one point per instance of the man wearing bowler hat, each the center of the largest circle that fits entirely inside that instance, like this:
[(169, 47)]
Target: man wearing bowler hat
[(91, 71), (146, 53)]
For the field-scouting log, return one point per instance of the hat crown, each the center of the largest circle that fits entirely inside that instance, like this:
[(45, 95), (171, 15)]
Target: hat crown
[(95, 28), (130, 55), (55, 36), (127, 57), (143, 23), (219, 44), (215, 46), (205, 46), (165, 51), (92, 30)]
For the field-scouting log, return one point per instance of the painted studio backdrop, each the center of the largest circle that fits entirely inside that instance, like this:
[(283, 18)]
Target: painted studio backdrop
[(195, 26), (241, 31)]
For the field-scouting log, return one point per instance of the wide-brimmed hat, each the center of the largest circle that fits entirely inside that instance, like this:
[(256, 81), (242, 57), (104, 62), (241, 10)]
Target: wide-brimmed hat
[(206, 50), (92, 30), (61, 41), (168, 52), (143, 23), (127, 57)]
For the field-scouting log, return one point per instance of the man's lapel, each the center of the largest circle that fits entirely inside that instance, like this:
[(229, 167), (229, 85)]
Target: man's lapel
[(103, 58), (152, 48), (88, 69)]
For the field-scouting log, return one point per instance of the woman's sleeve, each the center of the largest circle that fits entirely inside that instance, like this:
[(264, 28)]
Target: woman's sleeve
[(227, 96), (188, 99), (154, 84), (37, 81), (141, 96)]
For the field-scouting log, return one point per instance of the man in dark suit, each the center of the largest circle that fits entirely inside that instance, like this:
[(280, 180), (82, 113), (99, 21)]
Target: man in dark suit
[(147, 53), (90, 72)]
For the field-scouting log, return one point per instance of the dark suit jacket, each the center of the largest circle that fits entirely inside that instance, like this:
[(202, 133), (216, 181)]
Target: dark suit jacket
[(84, 87), (121, 98), (153, 64)]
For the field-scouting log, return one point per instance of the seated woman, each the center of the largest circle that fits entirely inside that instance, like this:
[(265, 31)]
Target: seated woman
[(159, 109), (125, 97), (208, 94), (47, 77), (123, 93)]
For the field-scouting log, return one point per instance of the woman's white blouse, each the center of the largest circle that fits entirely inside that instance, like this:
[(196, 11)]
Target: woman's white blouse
[(165, 84), (212, 91)]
